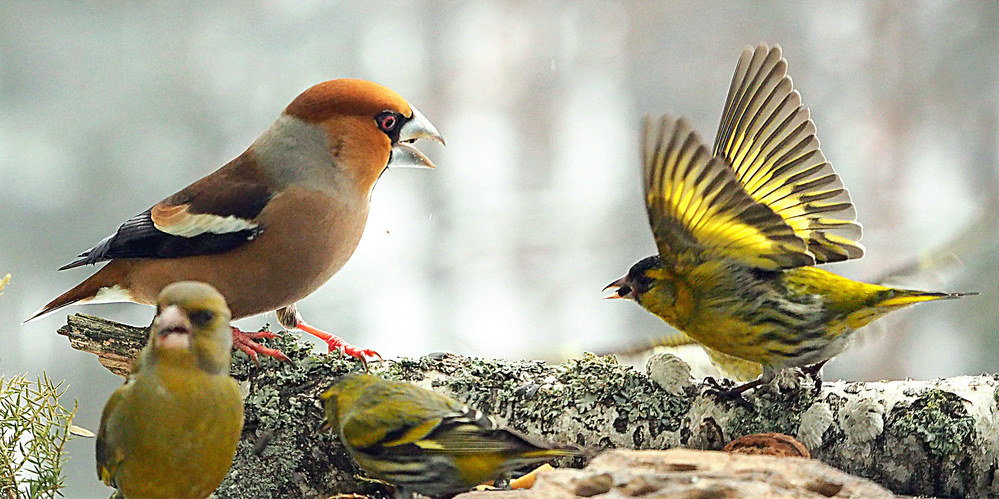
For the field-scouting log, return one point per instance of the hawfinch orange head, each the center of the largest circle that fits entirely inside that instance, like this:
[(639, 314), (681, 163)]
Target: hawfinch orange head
[(368, 126)]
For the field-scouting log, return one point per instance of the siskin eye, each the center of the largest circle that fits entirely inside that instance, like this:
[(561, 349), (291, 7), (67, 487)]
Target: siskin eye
[(201, 317)]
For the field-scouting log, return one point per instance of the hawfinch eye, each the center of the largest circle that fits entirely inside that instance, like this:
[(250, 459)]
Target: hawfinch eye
[(388, 121)]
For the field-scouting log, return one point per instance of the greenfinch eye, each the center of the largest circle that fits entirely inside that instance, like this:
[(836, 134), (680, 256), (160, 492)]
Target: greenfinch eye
[(201, 317)]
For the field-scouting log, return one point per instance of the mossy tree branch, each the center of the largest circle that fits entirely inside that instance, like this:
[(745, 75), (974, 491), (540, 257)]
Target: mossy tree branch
[(937, 438)]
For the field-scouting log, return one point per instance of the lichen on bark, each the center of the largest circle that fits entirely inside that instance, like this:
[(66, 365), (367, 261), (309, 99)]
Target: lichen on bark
[(938, 438)]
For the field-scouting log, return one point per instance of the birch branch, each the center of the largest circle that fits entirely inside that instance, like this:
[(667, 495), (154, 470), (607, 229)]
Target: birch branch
[(936, 438)]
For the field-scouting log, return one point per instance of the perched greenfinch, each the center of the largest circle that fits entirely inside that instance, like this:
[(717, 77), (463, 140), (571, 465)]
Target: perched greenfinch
[(171, 430), (422, 441), (740, 230)]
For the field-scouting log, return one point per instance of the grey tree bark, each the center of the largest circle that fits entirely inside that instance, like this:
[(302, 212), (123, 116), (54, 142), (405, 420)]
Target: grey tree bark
[(935, 438)]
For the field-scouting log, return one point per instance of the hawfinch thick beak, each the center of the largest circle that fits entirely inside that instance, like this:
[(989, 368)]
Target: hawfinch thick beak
[(620, 288), (172, 328), (403, 153)]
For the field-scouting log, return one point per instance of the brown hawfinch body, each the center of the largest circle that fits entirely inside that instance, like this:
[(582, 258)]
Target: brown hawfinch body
[(274, 224)]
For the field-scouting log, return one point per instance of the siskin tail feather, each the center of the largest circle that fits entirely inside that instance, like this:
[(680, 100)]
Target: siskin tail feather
[(889, 299), (903, 298)]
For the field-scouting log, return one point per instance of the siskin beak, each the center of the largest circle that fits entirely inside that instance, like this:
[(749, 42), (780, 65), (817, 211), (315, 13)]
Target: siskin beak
[(403, 153), (618, 289)]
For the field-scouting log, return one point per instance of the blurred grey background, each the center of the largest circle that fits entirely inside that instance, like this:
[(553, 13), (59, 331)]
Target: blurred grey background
[(108, 107)]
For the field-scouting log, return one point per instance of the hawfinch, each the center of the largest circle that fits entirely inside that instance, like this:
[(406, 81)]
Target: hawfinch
[(171, 430), (272, 225)]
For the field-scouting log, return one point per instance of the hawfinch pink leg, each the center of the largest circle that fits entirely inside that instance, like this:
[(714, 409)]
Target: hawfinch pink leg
[(336, 343), (243, 341), (290, 318)]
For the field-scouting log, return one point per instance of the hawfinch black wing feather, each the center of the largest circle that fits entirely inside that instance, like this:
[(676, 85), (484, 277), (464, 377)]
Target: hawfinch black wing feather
[(195, 221)]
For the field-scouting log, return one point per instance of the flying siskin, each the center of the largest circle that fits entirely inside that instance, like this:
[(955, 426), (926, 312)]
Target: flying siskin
[(422, 441), (741, 227)]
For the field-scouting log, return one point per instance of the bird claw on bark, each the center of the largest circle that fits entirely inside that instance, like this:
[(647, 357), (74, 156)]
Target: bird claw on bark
[(814, 371), (334, 342), (726, 393), (243, 342), (362, 354)]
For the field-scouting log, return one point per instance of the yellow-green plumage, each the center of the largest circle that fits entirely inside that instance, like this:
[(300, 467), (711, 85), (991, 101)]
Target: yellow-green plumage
[(171, 430), (423, 441), (740, 228), (730, 367), (734, 368)]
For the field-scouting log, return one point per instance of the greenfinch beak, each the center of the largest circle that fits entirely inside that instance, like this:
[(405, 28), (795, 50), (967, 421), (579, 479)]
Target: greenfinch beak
[(172, 328)]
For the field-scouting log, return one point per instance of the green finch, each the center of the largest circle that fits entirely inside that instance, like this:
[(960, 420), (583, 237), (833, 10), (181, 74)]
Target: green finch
[(171, 430)]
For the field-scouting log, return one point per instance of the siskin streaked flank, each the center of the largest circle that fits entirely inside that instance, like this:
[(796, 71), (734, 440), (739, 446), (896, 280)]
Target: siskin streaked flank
[(422, 441), (741, 228), (730, 367), (675, 342)]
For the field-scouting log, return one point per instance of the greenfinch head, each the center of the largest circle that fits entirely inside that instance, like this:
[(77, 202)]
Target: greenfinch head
[(192, 319)]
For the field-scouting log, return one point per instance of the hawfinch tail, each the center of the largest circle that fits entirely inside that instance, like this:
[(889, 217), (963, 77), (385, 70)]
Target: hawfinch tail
[(272, 225)]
